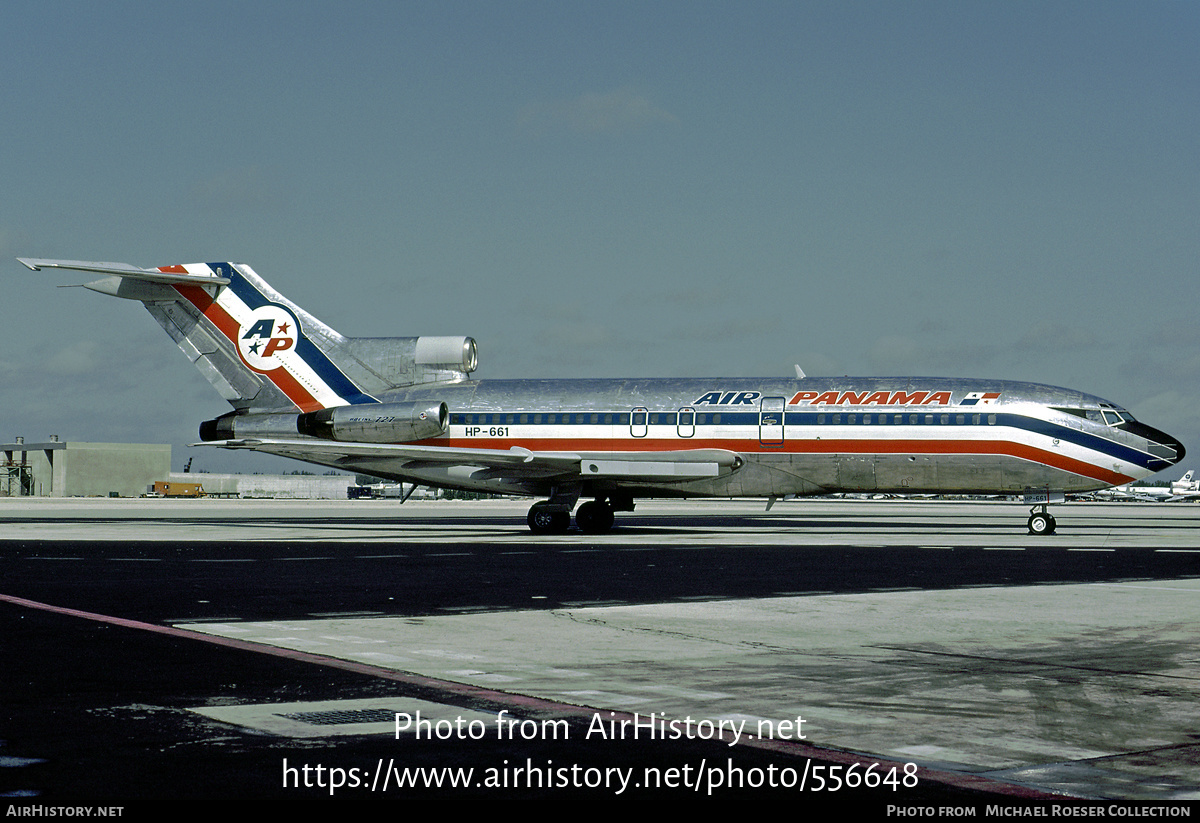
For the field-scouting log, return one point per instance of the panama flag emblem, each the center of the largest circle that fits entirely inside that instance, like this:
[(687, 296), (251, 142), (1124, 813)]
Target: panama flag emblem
[(267, 336), (982, 398)]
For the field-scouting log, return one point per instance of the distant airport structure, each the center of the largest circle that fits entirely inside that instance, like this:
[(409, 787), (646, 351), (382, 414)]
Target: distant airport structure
[(58, 468), (285, 486)]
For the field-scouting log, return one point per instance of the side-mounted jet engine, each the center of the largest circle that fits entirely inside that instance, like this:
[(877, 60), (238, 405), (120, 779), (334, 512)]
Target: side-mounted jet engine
[(366, 423)]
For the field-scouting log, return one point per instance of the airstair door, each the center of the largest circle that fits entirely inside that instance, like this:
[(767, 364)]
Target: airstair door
[(770, 421)]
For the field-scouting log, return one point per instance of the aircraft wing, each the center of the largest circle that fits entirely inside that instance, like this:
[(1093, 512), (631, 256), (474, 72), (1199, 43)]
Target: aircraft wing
[(171, 277), (1175, 498), (686, 464)]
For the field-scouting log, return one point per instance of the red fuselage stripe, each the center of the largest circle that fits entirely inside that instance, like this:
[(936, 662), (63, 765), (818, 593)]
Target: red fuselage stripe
[(229, 327), (825, 446)]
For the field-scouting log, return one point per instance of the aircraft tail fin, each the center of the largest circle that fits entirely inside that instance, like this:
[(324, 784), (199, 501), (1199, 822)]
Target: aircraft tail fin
[(260, 350)]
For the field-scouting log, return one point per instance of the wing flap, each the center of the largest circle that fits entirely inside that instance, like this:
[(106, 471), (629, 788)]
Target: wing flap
[(648, 469), (670, 465)]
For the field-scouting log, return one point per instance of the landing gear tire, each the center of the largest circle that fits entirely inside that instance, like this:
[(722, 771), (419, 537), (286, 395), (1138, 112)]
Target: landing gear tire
[(1041, 523), (594, 517), (544, 520)]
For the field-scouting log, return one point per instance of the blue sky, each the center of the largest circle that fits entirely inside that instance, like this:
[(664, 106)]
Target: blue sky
[(1006, 190)]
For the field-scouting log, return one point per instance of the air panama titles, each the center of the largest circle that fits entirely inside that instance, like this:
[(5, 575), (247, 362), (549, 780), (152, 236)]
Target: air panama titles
[(871, 398), (850, 398)]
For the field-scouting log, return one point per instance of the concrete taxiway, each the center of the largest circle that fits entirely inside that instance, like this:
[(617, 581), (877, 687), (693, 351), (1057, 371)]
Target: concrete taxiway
[(849, 522), (1080, 680)]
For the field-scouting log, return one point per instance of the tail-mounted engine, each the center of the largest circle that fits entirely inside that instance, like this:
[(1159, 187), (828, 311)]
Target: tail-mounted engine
[(365, 423), (408, 361)]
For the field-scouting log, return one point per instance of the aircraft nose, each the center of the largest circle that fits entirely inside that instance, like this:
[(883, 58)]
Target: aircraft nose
[(1174, 445), (1162, 445)]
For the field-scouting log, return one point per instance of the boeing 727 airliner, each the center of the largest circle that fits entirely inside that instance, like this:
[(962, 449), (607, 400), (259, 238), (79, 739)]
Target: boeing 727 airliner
[(407, 409)]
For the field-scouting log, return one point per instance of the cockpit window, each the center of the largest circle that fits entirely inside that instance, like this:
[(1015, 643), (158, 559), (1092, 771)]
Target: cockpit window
[(1115, 418), (1107, 415), (1087, 414)]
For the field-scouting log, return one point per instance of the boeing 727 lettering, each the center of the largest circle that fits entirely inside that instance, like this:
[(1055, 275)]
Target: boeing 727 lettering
[(408, 409)]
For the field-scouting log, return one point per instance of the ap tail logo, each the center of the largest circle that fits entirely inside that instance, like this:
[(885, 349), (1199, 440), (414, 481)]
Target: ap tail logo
[(267, 336)]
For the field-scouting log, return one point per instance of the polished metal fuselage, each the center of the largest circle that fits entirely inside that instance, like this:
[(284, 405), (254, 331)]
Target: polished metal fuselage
[(289, 378), (802, 437)]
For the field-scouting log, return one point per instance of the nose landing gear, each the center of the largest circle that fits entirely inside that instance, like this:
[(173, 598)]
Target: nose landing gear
[(1041, 522)]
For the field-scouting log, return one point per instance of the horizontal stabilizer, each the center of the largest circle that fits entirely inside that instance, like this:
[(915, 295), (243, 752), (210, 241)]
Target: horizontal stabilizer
[(125, 270)]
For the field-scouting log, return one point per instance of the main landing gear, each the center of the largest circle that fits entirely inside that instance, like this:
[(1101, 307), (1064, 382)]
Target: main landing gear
[(1041, 522), (592, 517), (548, 518)]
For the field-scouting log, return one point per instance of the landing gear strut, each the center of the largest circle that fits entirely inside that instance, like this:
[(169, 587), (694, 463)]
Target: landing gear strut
[(1041, 522)]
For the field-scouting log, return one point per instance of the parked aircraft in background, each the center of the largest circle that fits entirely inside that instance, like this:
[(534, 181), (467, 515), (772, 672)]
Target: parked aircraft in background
[(1129, 492), (407, 409), (1185, 488)]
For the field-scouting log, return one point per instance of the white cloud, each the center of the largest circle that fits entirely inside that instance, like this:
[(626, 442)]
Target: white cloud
[(12, 242), (894, 354), (236, 187), (78, 358), (614, 112), (1050, 336)]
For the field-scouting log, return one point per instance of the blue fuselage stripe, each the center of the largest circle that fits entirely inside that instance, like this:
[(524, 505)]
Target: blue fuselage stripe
[(308, 351), (809, 421)]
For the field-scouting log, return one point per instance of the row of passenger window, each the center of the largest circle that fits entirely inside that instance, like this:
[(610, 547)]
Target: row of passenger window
[(573, 418), (594, 419), (689, 418), (899, 419)]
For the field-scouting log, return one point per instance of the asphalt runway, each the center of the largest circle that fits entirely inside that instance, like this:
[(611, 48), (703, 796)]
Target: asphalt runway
[(217, 650)]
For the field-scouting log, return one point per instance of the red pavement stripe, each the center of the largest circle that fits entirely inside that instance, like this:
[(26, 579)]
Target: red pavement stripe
[(536, 704)]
